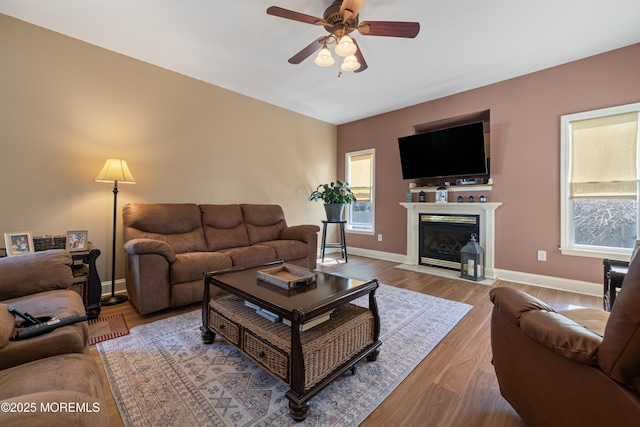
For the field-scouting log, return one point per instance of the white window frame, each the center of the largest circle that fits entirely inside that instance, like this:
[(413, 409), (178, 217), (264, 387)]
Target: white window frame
[(567, 247), (347, 169)]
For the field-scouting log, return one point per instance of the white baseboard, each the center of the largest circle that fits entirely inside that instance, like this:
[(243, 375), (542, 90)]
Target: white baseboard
[(570, 285), (559, 283), (121, 286)]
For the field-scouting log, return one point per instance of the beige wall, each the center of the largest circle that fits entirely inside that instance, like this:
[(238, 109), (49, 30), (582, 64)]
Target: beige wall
[(66, 106), (525, 157)]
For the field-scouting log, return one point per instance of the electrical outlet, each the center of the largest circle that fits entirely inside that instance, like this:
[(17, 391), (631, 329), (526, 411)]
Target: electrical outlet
[(542, 255), (379, 237)]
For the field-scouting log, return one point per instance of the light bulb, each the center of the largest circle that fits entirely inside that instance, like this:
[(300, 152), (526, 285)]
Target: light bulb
[(324, 58), (350, 63), (346, 46)]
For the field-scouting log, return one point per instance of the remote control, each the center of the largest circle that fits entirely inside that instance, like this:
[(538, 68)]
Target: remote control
[(44, 327), (29, 319)]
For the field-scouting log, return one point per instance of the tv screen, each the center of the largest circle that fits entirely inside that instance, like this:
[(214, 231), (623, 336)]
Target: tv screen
[(452, 152)]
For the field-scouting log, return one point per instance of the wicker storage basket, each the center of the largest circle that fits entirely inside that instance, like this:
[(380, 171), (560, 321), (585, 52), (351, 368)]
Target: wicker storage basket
[(43, 243), (325, 347)]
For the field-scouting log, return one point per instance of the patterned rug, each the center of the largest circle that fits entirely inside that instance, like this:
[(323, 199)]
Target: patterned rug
[(163, 375), (106, 328)]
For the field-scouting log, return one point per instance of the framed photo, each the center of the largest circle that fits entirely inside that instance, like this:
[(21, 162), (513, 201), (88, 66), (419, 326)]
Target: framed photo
[(18, 243), (77, 241)]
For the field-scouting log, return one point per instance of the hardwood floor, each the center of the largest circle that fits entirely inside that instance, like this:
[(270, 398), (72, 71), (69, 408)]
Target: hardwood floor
[(455, 384)]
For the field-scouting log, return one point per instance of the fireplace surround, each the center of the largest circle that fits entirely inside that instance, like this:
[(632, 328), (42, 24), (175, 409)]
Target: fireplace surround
[(485, 213)]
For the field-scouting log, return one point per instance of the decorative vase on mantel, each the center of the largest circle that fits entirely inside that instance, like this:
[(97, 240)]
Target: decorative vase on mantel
[(334, 211)]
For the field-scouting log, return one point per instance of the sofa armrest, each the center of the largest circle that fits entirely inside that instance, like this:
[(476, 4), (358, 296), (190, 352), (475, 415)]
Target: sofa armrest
[(150, 246), (562, 336), (513, 303), (35, 272), (299, 232)]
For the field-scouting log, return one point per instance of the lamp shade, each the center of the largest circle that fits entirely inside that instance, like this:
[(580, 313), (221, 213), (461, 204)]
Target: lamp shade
[(116, 170), (324, 58), (350, 63), (345, 46)]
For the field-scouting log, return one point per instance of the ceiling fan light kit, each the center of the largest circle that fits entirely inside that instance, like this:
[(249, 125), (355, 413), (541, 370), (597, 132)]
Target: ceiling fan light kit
[(345, 46), (350, 63), (340, 19), (324, 58)]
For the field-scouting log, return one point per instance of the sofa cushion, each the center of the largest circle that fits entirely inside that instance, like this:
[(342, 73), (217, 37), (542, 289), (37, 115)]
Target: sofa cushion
[(288, 249), (250, 255), (224, 226), (619, 354), (67, 339), (263, 222), (178, 224), (35, 272), (7, 324), (72, 378), (191, 266)]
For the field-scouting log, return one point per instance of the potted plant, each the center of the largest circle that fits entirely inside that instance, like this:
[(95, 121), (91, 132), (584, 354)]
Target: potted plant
[(334, 195)]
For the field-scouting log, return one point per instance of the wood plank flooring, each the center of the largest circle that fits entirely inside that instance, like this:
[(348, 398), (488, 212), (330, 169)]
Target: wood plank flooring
[(455, 384)]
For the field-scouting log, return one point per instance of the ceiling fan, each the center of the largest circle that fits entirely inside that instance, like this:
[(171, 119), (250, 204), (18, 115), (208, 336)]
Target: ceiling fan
[(340, 19)]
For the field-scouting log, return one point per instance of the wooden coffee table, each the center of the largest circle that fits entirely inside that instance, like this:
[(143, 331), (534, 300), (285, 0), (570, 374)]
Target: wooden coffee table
[(308, 360)]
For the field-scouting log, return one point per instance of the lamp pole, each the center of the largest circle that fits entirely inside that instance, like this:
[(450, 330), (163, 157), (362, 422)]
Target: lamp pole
[(115, 170)]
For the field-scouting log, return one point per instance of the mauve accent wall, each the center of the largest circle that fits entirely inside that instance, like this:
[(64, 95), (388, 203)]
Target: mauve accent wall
[(525, 157)]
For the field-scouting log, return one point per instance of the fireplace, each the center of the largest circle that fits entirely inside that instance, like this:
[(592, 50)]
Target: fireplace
[(486, 230), (441, 236)]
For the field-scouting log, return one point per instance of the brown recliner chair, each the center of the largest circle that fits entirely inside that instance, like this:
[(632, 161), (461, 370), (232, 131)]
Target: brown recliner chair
[(574, 367)]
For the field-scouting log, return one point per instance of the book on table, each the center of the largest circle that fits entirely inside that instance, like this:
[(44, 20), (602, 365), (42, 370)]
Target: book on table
[(275, 318)]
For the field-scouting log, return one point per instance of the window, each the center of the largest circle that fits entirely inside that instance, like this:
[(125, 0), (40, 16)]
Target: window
[(599, 181), (360, 176)]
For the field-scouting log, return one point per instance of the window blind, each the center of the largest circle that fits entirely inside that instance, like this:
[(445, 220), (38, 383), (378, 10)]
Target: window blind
[(604, 157), (360, 179)]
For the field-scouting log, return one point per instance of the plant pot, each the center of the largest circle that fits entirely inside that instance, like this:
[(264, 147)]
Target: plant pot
[(334, 211)]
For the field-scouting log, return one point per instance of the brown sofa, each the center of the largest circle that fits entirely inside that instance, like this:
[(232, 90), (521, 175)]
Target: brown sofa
[(52, 368), (170, 246), (574, 367)]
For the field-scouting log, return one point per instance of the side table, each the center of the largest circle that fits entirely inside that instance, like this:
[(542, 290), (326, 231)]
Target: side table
[(343, 241), (614, 272), (94, 285)]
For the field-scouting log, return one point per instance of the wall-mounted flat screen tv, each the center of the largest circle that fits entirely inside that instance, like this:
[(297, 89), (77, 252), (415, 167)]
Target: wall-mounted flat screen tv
[(452, 152)]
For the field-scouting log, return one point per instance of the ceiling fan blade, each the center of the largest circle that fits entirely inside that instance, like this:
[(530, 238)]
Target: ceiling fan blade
[(307, 51), (296, 16), (360, 58), (389, 29)]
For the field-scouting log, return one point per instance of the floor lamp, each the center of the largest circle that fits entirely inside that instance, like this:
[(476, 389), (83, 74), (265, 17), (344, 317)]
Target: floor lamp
[(115, 171)]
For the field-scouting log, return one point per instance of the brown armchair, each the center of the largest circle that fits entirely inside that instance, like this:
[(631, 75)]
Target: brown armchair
[(574, 367)]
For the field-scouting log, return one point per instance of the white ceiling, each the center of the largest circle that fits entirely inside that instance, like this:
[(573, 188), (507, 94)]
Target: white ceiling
[(463, 44)]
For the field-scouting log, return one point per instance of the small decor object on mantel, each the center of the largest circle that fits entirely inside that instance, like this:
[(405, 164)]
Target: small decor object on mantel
[(442, 194), (472, 260), (422, 197), (334, 195)]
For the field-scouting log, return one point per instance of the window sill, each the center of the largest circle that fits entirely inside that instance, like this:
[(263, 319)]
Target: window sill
[(622, 254), (365, 232)]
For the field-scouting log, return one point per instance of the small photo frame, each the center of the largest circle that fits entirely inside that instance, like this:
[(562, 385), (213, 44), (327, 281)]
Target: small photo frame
[(18, 243), (77, 241)]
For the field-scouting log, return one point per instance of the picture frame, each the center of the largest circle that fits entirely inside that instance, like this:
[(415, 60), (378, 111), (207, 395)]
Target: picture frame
[(77, 241), (18, 243)]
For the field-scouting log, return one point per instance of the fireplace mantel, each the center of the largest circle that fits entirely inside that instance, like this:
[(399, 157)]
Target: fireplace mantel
[(486, 211)]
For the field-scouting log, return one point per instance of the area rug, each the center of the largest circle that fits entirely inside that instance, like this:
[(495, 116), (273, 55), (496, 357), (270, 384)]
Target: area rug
[(162, 373), (106, 328)]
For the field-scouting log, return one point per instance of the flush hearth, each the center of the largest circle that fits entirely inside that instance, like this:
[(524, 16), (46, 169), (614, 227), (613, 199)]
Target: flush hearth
[(441, 236)]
